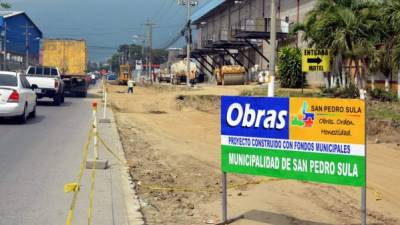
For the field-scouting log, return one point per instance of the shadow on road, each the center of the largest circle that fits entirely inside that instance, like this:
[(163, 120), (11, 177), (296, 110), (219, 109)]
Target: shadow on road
[(276, 218), (13, 121), (49, 103)]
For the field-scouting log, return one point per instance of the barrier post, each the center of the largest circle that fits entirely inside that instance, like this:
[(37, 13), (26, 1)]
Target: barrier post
[(105, 119), (95, 163), (94, 125)]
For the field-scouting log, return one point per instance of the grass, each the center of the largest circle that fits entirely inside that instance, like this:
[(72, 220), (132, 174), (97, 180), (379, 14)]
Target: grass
[(281, 92), (384, 111)]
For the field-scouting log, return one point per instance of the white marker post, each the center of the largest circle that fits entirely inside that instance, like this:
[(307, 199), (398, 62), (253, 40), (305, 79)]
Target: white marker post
[(95, 163), (94, 119), (105, 119)]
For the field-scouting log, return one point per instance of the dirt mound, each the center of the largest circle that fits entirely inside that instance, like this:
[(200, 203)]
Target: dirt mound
[(383, 121), (167, 190), (171, 137), (162, 87), (204, 103), (387, 131)]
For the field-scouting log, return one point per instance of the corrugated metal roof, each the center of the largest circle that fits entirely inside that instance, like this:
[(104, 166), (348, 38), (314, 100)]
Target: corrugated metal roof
[(6, 14), (206, 8)]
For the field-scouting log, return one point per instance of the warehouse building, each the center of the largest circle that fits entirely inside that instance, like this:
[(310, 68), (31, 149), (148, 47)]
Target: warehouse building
[(20, 41), (238, 32)]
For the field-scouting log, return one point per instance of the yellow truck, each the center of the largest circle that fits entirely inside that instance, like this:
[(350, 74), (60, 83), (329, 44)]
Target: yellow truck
[(70, 57), (125, 73)]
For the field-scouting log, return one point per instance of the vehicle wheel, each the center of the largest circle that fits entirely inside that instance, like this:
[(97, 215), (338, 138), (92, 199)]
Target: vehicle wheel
[(33, 113), (24, 117), (57, 100), (83, 94)]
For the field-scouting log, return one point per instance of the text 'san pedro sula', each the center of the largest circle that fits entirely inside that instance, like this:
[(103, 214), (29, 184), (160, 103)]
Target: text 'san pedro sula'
[(320, 140)]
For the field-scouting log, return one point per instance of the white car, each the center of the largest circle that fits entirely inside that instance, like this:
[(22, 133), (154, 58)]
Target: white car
[(17, 96)]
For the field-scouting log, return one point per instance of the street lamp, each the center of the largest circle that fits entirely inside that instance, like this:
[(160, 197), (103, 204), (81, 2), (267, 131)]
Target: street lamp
[(27, 50)]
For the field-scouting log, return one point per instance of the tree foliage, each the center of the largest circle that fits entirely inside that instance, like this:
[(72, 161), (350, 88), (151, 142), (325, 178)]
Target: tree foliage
[(352, 29), (131, 53), (289, 66), (5, 5)]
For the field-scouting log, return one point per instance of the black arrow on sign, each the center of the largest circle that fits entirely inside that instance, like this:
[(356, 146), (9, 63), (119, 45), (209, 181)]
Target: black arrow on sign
[(317, 60)]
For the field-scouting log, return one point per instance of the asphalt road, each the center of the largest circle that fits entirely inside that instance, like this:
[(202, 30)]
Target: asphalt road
[(37, 159)]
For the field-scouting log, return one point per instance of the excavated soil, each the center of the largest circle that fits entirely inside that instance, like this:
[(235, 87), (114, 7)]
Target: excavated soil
[(171, 138)]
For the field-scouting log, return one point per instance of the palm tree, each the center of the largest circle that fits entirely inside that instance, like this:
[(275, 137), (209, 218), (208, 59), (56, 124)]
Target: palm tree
[(390, 48), (344, 26)]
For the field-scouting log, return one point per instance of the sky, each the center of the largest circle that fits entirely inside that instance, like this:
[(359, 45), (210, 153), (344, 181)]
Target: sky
[(105, 24)]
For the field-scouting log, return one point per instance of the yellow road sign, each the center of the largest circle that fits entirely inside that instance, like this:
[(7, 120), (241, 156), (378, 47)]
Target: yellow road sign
[(316, 60)]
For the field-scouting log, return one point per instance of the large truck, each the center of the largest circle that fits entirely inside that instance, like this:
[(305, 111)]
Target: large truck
[(179, 71), (70, 57)]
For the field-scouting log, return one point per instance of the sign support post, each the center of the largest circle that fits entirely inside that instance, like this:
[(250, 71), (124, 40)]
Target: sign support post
[(224, 198), (364, 188)]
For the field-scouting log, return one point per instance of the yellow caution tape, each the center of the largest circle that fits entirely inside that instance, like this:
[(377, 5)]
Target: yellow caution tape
[(80, 175), (71, 187), (109, 149), (378, 196)]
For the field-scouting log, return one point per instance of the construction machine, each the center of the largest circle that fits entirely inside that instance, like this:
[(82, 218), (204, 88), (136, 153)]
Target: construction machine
[(179, 70), (125, 73), (230, 75)]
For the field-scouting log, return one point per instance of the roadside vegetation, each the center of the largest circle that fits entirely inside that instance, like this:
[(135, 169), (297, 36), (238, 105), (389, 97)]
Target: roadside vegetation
[(363, 36), (289, 67)]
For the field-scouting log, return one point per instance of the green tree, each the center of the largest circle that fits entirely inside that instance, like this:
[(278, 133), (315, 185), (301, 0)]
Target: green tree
[(289, 66), (131, 53), (350, 28), (5, 5), (390, 47)]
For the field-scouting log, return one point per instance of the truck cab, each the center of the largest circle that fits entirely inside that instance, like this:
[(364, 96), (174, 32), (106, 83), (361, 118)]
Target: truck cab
[(48, 81)]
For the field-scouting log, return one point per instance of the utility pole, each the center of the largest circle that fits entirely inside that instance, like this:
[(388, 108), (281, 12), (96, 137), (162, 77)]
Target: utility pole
[(189, 4), (188, 43), (27, 27), (26, 46), (150, 42), (5, 46), (271, 85)]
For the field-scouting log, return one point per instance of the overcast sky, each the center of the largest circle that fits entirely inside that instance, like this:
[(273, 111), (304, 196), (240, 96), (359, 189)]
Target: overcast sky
[(104, 24)]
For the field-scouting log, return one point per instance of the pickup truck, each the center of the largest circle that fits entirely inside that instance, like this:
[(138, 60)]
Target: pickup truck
[(48, 81)]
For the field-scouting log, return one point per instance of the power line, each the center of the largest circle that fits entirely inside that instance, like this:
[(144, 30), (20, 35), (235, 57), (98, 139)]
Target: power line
[(167, 13), (157, 13)]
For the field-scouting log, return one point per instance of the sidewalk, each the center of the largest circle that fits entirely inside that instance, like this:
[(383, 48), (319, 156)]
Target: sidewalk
[(115, 202)]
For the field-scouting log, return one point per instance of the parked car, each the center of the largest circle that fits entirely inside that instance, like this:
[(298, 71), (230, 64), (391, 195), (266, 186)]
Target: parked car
[(111, 76), (17, 96), (49, 82)]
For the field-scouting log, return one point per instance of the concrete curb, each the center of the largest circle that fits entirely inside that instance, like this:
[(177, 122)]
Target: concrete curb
[(132, 203)]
